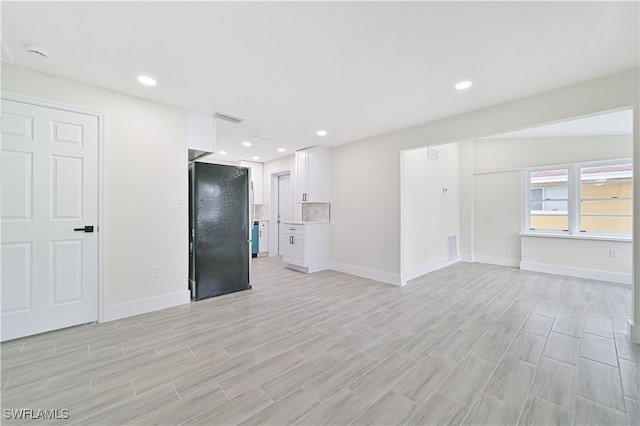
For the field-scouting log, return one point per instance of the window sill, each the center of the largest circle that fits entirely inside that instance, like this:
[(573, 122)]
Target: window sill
[(576, 237)]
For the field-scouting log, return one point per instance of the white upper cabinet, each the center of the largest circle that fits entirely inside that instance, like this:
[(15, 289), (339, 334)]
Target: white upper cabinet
[(312, 172), (256, 179)]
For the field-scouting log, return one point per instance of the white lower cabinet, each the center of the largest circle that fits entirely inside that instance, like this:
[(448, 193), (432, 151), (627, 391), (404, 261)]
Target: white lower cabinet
[(293, 252), (306, 246)]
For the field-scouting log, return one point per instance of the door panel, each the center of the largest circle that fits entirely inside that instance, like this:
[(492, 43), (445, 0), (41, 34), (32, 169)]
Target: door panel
[(66, 187), (17, 168), (16, 125), (16, 277), (67, 133), (49, 161), (66, 271)]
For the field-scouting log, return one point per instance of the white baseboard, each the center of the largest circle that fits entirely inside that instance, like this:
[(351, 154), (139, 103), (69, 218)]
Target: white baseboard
[(142, 306), (425, 269), (501, 261), (371, 274), (466, 258), (387, 278), (591, 274)]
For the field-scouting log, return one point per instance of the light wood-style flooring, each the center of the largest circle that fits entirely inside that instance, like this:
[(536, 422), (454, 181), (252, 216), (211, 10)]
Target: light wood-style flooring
[(468, 344)]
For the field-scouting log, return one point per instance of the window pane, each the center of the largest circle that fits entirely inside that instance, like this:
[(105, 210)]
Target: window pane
[(613, 206), (550, 222), (552, 216), (606, 204), (549, 208), (556, 192), (549, 185), (537, 206), (607, 223), (613, 181), (536, 194), (557, 175), (611, 215), (555, 206)]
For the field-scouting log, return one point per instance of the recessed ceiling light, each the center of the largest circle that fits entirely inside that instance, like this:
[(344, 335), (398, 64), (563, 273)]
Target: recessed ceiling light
[(246, 143), (281, 150), (146, 80), (222, 152), (321, 133), (463, 85), (255, 157)]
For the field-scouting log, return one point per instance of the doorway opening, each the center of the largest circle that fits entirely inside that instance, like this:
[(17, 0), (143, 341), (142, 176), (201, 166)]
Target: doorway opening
[(281, 200)]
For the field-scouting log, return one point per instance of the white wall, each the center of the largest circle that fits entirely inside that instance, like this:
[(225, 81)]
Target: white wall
[(467, 229), (365, 208), (508, 154), (365, 175), (498, 198), (145, 167), (578, 258), (496, 218), (429, 214)]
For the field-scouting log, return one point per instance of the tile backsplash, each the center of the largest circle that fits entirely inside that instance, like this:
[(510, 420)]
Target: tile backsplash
[(316, 212)]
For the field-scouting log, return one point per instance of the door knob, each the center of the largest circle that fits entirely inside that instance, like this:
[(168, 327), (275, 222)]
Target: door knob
[(88, 228)]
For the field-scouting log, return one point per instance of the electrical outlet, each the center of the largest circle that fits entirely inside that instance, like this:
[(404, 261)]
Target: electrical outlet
[(614, 253), (180, 198), (154, 271), (383, 255)]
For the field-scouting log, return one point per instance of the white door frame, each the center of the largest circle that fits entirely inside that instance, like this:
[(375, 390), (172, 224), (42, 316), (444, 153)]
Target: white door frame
[(274, 241), (25, 99)]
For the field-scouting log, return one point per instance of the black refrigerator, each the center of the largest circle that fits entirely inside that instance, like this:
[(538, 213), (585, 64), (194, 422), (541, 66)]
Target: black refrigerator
[(219, 231)]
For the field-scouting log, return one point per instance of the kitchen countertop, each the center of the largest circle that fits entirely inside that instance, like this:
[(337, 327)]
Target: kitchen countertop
[(301, 222)]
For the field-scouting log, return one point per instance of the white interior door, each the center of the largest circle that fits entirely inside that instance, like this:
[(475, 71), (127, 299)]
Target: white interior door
[(284, 206), (49, 183)]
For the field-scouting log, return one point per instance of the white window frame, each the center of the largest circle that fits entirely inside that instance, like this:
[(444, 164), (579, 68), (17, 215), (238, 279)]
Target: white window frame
[(574, 202)]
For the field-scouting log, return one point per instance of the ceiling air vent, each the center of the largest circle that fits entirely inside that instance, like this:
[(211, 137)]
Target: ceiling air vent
[(264, 138), (228, 117)]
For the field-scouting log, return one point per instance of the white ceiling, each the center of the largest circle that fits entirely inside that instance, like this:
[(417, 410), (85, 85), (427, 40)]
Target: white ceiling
[(355, 69)]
